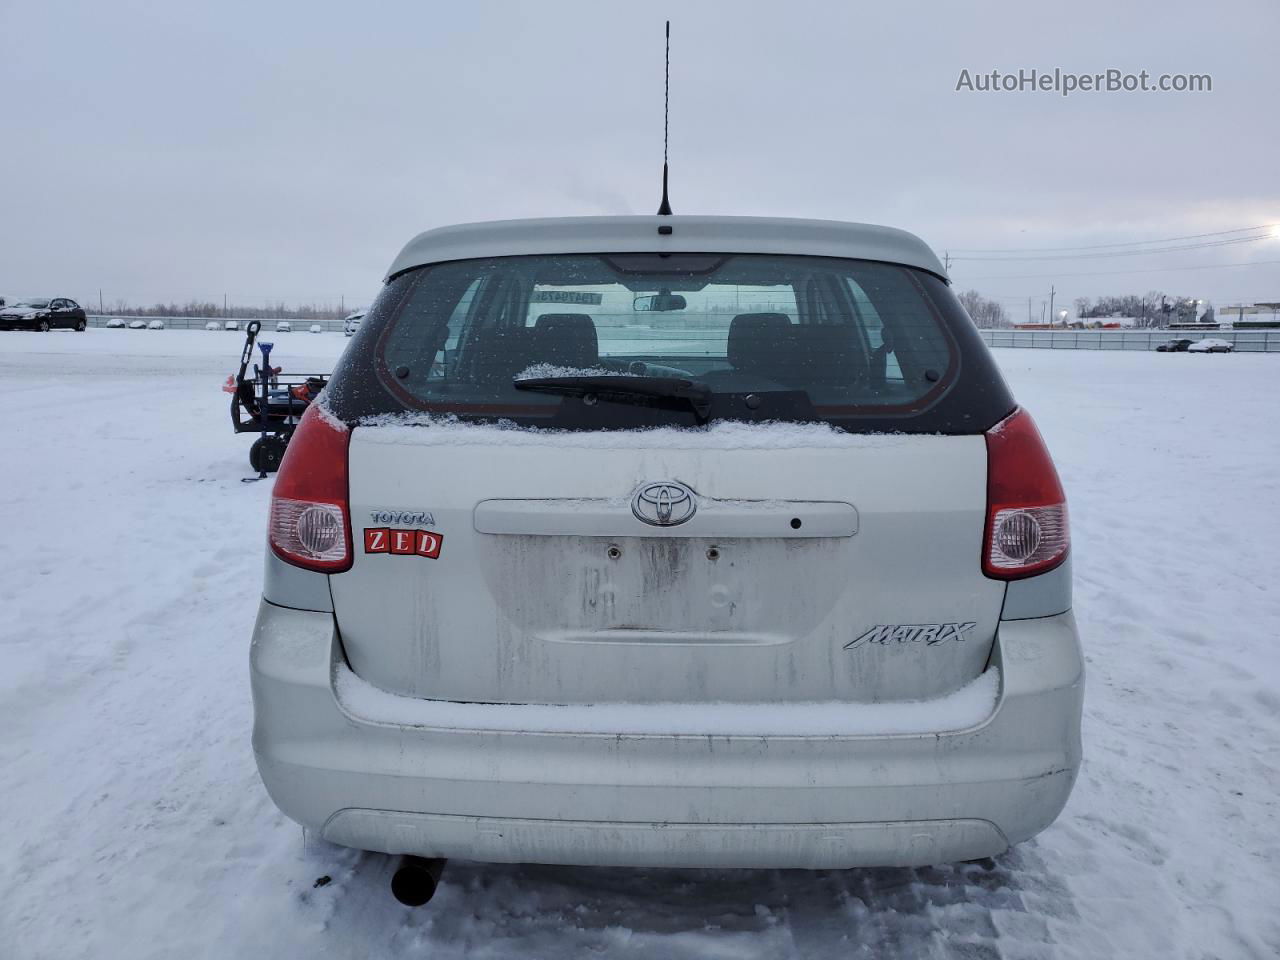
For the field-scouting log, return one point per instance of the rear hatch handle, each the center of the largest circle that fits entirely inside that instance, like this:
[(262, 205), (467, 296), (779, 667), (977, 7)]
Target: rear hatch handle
[(624, 389)]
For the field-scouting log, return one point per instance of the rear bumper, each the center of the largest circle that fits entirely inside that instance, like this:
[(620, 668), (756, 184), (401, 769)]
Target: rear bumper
[(499, 793)]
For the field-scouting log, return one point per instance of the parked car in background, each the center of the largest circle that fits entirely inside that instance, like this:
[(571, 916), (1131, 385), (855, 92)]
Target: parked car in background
[(137, 324), (1174, 346), (1211, 345), (352, 323), (684, 648), (43, 315), (231, 325), (115, 323), (283, 326), (155, 325), (315, 328), (213, 325)]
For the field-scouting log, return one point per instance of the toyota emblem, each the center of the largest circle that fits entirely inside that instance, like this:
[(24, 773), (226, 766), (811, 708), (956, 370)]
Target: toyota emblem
[(664, 504)]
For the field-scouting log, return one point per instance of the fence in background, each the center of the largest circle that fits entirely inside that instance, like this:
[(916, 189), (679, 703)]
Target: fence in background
[(1245, 341), (199, 323)]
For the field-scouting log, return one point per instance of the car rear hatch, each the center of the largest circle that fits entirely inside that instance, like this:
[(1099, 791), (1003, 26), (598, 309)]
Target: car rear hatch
[(859, 582), (832, 547)]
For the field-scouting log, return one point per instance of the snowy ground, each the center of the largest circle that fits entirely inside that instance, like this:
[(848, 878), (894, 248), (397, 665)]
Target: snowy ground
[(136, 826)]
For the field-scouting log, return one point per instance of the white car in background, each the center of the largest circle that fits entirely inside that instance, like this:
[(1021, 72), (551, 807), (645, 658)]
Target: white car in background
[(231, 325), (283, 326), (352, 322), (1211, 345), (315, 328), (137, 324), (116, 323), (667, 541), (213, 325), (155, 325)]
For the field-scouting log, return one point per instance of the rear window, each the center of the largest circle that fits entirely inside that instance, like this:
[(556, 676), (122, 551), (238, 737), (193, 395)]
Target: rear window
[(863, 345)]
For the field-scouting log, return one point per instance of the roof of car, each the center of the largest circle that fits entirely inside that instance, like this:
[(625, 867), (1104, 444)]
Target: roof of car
[(689, 234)]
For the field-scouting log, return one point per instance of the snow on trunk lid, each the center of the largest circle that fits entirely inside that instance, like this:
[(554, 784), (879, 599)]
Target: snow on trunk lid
[(579, 600)]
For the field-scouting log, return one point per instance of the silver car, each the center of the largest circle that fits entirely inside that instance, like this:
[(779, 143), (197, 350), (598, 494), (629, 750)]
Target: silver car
[(679, 541)]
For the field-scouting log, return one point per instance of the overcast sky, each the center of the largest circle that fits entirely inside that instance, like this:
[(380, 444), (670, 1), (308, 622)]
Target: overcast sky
[(167, 150)]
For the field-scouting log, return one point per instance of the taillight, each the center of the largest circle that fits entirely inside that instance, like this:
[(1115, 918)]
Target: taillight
[(310, 523), (1026, 509)]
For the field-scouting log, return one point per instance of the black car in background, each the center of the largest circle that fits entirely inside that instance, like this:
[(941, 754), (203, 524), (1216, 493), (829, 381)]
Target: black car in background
[(43, 315), (1174, 346)]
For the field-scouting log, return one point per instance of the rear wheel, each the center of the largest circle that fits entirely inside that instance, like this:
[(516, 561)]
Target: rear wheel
[(43, 326), (266, 453), (80, 325)]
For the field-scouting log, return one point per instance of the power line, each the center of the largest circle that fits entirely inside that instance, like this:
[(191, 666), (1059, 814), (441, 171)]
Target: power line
[(1099, 273), (1125, 253), (1129, 243), (1021, 298)]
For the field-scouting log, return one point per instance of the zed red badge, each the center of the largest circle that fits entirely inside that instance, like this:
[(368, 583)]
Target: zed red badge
[(405, 543)]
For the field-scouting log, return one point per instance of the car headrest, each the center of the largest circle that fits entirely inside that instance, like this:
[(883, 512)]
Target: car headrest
[(566, 340), (497, 354), (754, 339), (826, 355)]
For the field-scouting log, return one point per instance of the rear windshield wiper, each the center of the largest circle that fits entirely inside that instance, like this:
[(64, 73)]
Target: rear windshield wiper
[(624, 389)]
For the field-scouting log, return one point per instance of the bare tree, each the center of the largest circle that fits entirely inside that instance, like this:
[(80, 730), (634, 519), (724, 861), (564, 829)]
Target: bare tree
[(201, 308), (1152, 310), (985, 313)]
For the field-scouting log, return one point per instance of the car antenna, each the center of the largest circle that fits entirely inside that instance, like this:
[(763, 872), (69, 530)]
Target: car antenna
[(665, 209)]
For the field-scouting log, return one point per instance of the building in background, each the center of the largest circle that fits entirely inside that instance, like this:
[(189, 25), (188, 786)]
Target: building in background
[(1251, 316)]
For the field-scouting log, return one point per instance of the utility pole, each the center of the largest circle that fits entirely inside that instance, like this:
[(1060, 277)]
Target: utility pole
[(100, 310), (1028, 309), (946, 260), (1051, 293)]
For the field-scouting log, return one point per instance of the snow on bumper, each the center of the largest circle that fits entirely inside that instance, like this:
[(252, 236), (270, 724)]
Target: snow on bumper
[(386, 774)]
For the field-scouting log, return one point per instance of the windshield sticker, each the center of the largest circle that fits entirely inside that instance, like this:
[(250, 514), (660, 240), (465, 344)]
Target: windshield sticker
[(576, 297), (926, 633), (405, 543)]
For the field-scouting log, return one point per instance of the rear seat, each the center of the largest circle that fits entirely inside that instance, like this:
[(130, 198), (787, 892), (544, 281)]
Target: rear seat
[(559, 339), (769, 345), (499, 353), (755, 341), (566, 340)]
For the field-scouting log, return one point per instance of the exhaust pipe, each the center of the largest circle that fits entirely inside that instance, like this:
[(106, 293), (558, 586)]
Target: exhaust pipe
[(416, 879)]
